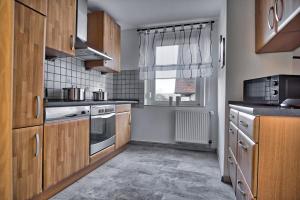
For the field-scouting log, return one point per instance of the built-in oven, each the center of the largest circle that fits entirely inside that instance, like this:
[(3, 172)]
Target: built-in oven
[(102, 130)]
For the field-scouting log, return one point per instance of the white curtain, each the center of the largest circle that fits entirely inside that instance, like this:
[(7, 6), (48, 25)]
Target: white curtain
[(177, 52)]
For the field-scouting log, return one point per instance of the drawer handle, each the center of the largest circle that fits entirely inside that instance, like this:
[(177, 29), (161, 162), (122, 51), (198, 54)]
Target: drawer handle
[(37, 145), (239, 183), (271, 24), (244, 147), (244, 124), (230, 160), (276, 8)]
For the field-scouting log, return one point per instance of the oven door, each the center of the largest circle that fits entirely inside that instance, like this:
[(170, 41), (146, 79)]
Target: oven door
[(102, 132)]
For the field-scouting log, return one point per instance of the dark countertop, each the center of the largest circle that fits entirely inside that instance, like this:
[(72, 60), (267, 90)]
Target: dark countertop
[(263, 110), (62, 103)]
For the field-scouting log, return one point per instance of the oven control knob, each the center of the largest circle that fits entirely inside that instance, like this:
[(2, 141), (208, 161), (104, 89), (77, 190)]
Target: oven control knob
[(274, 92), (275, 83), (83, 112)]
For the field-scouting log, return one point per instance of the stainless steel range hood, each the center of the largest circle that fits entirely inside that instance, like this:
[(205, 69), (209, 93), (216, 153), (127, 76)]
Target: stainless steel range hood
[(82, 50)]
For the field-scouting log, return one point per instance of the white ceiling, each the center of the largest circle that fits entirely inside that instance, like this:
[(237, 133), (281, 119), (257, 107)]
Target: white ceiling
[(138, 13)]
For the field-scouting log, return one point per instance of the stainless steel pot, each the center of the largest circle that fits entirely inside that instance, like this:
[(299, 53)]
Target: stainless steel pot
[(74, 94), (100, 95)]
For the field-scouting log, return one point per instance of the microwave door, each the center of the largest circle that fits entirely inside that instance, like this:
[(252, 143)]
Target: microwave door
[(256, 91)]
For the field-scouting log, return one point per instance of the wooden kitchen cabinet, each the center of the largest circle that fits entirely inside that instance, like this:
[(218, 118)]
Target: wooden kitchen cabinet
[(66, 149), (27, 162), (104, 34), (288, 8), (37, 5), (268, 165), (61, 22), (277, 25), (123, 125), (28, 83)]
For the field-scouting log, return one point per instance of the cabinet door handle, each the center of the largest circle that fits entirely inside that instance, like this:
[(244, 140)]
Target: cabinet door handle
[(37, 145), (38, 107), (72, 42), (231, 131), (239, 183), (231, 116), (271, 24), (244, 147), (244, 124), (278, 16)]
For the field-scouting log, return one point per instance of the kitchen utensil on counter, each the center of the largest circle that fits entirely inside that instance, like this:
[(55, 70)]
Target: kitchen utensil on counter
[(73, 94), (100, 95)]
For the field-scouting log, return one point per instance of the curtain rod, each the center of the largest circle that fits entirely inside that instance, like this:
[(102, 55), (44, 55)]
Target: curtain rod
[(175, 25)]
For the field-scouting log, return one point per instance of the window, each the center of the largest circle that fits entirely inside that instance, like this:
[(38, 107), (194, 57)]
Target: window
[(165, 87)]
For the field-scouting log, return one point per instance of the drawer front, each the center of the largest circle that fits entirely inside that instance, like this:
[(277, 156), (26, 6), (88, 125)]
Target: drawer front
[(123, 108), (233, 116), (232, 168), (246, 123), (247, 155), (232, 137), (243, 191)]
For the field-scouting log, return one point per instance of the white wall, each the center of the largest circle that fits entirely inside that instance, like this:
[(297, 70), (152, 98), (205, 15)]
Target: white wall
[(156, 124), (243, 63), (222, 98), (129, 49)]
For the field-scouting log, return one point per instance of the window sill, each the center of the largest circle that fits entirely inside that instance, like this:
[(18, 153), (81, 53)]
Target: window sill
[(174, 106)]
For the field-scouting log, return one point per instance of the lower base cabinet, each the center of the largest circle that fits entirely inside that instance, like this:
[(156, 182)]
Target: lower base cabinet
[(123, 128), (66, 149), (243, 191), (232, 166), (267, 161), (27, 162)]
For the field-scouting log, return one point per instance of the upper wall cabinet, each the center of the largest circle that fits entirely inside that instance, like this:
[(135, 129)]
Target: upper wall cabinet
[(277, 25), (37, 5), (61, 22), (28, 86), (104, 35)]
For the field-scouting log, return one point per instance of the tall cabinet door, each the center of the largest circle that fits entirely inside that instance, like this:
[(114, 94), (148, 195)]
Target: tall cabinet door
[(38, 5), (28, 84), (61, 21), (66, 149), (27, 162)]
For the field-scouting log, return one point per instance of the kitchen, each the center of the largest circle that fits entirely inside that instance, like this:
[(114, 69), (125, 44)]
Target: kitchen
[(87, 112)]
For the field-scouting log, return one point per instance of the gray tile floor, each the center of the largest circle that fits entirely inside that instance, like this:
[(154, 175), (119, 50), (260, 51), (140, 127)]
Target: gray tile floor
[(153, 173)]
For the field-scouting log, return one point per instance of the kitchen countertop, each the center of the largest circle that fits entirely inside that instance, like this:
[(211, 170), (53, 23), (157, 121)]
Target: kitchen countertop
[(263, 110), (62, 103)]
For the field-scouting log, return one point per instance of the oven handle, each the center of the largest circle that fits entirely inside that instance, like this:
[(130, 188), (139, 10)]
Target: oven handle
[(103, 116)]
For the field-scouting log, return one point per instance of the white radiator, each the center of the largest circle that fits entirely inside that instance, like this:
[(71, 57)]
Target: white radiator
[(192, 127)]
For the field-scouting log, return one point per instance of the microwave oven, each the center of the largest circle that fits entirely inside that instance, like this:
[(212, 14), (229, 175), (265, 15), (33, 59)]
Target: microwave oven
[(272, 90)]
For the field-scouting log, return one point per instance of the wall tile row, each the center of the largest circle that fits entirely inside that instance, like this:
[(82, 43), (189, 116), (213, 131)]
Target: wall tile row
[(127, 85), (68, 72)]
